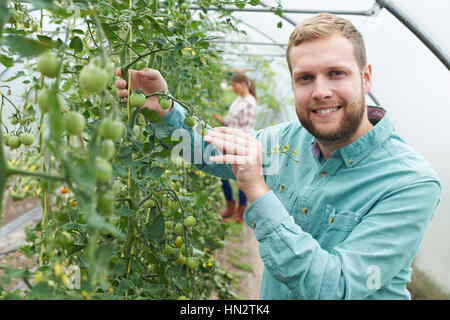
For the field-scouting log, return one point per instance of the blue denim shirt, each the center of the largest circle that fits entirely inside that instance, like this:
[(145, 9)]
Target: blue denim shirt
[(345, 228)]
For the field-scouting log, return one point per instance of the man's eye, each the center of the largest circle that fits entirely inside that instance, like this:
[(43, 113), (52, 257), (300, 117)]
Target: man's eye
[(337, 73), (305, 77)]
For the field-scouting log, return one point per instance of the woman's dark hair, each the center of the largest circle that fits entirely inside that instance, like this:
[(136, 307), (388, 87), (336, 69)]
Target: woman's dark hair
[(242, 78)]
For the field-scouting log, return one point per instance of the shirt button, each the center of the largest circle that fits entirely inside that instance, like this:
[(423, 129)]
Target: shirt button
[(331, 219), (324, 174), (281, 188), (350, 161), (305, 210), (253, 224)]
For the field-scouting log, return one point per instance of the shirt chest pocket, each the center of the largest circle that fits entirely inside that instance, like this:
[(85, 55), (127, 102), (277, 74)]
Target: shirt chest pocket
[(344, 220), (337, 227)]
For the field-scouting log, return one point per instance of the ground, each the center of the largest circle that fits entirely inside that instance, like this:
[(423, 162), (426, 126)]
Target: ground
[(241, 258)]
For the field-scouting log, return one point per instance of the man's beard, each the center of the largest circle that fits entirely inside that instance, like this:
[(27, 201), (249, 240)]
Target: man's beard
[(349, 123)]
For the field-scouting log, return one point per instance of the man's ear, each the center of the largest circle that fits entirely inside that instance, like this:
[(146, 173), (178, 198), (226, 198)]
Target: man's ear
[(367, 78)]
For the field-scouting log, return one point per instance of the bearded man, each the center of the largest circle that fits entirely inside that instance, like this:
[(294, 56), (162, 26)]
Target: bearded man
[(346, 221)]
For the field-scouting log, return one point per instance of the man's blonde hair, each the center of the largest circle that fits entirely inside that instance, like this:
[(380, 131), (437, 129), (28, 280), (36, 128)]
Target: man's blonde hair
[(324, 25)]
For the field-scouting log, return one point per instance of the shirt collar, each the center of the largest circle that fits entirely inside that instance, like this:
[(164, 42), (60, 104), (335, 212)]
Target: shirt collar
[(364, 145)]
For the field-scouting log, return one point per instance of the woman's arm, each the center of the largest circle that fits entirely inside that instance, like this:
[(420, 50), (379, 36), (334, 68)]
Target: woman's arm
[(219, 118)]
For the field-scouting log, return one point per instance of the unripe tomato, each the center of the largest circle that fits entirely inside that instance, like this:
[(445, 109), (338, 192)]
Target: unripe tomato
[(74, 123), (149, 203), (189, 221), (14, 142), (103, 170), (72, 202), (114, 90), (179, 230), (44, 100), (37, 277), (190, 121), (48, 64), (6, 139), (184, 6), (192, 263), (179, 241), (140, 65), (173, 205), (14, 120), (164, 103), (111, 129), (168, 225), (93, 78), (107, 149), (169, 250), (181, 260), (183, 249), (27, 139), (105, 202), (137, 100)]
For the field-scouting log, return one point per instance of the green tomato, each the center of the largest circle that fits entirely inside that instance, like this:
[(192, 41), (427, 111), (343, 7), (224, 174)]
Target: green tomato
[(168, 225), (164, 103), (111, 129), (6, 138), (44, 100), (26, 139), (74, 123), (107, 149), (110, 69), (173, 205), (149, 203), (179, 230), (181, 260), (179, 241), (93, 78), (192, 263), (14, 120), (103, 170), (140, 65), (48, 64), (190, 121), (105, 202), (184, 6), (137, 100), (189, 221), (169, 250), (14, 142), (114, 90)]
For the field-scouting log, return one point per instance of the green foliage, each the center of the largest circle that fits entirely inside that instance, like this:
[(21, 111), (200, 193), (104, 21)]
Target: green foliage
[(101, 226)]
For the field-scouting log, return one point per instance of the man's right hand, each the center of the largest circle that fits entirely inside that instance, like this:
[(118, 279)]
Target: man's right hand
[(150, 81)]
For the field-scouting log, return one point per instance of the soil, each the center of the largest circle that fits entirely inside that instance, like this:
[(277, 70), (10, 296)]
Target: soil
[(240, 257), (14, 209)]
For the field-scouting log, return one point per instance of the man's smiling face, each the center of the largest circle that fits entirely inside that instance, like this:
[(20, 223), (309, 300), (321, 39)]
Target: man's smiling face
[(328, 88)]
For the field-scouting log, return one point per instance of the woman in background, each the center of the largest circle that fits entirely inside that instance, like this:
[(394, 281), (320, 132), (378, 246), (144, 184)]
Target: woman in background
[(241, 115)]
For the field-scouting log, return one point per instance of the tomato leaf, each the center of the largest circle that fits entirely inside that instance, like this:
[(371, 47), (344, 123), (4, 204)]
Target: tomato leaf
[(76, 44), (124, 212), (155, 229), (25, 47), (42, 4), (7, 62)]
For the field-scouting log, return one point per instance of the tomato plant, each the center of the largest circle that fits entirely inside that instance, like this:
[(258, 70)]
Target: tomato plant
[(134, 222)]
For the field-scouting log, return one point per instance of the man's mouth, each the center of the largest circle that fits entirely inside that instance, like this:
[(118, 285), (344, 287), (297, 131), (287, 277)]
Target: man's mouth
[(327, 110)]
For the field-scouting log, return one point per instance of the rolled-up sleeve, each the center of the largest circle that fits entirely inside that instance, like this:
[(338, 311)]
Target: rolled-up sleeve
[(197, 149)]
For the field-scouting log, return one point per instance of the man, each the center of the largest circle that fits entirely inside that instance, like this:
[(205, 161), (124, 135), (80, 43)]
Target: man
[(346, 221)]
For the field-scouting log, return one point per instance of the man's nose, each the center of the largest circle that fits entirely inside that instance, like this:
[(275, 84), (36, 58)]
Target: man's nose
[(321, 88)]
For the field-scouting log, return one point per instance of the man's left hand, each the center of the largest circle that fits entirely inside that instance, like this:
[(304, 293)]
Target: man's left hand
[(244, 154)]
